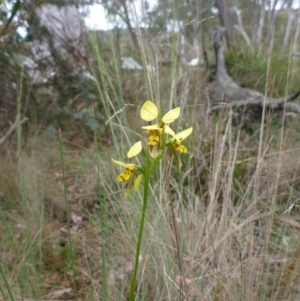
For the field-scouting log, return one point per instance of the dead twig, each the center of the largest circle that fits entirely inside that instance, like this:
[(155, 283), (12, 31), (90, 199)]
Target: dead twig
[(11, 129)]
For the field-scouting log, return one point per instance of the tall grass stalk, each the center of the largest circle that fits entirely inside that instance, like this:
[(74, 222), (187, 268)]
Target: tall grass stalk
[(103, 211), (70, 250), (29, 254), (7, 285)]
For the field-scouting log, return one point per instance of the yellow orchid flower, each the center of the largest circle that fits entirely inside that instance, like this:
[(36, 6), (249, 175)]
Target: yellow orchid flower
[(150, 112), (130, 169), (155, 132), (178, 138), (176, 141)]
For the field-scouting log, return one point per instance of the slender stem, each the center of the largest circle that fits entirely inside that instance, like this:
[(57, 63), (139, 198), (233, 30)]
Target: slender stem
[(70, 250), (138, 246), (178, 251), (183, 292)]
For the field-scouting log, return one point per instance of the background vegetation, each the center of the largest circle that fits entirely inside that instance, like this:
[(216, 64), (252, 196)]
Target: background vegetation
[(67, 232)]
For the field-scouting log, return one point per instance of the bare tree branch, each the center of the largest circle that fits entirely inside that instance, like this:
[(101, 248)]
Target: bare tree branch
[(279, 104), (11, 129), (240, 26)]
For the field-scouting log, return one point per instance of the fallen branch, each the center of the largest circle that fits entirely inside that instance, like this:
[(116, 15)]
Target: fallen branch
[(11, 129), (226, 93), (276, 104)]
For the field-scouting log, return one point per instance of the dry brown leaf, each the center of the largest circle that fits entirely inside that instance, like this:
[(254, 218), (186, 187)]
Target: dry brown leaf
[(290, 221), (59, 293), (186, 280), (194, 292), (128, 267)]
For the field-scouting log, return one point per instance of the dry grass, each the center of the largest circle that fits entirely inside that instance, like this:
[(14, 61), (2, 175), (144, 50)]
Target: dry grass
[(236, 241), (235, 200)]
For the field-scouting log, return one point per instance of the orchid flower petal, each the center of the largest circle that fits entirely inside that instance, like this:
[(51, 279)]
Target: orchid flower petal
[(184, 134), (181, 148), (137, 182), (169, 131), (149, 111), (129, 166), (151, 127), (135, 150), (123, 177), (171, 116), (153, 140)]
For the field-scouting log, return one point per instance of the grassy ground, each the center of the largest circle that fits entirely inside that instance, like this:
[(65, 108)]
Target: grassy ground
[(69, 233)]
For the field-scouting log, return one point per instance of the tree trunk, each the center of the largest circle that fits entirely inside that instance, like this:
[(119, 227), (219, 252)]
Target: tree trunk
[(198, 30), (271, 20), (260, 27), (226, 19), (296, 37), (290, 19), (120, 8), (126, 19)]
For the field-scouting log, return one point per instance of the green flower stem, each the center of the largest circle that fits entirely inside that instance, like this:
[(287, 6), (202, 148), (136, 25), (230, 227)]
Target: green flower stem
[(138, 246), (147, 173)]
